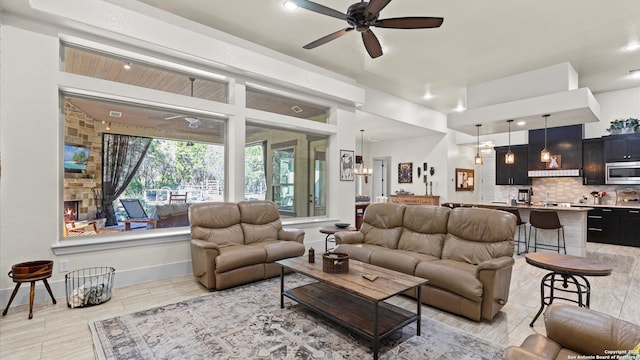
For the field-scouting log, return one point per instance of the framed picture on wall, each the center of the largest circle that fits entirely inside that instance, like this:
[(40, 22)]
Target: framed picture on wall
[(464, 179), (347, 165), (405, 173)]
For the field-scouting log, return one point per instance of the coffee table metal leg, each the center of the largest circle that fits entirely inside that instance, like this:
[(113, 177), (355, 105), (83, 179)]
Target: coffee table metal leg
[(376, 341), (419, 309), (282, 287)]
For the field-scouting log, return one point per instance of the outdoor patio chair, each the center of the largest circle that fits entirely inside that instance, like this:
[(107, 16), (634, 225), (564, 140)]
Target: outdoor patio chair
[(135, 214), (177, 198)]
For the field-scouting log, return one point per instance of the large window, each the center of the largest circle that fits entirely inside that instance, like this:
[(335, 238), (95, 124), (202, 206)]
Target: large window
[(185, 155)]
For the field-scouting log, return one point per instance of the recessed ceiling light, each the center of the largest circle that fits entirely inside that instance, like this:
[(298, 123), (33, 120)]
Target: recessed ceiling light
[(127, 66), (521, 123), (632, 46), (428, 96), (635, 73), (289, 5)]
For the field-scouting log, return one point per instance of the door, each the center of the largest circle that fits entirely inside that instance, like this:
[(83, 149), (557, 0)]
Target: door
[(283, 180), (317, 205), (380, 177)]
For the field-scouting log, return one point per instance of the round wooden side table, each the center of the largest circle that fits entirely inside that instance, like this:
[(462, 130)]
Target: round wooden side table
[(566, 271), (30, 271), (330, 231)]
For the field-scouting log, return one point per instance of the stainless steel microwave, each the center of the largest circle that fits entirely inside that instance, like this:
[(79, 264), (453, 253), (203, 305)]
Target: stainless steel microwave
[(624, 173)]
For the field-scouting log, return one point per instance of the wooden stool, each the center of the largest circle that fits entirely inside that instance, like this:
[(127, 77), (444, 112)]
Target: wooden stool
[(31, 271)]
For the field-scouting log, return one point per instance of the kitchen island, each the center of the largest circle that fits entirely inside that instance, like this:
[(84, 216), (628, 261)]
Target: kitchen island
[(574, 220)]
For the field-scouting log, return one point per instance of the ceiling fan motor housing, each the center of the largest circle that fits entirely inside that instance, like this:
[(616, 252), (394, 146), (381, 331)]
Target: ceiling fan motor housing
[(357, 17)]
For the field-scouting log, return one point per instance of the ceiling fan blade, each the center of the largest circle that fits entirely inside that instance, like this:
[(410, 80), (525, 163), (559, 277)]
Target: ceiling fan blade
[(173, 117), (321, 9), (410, 23), (374, 8), (372, 44), (325, 39)]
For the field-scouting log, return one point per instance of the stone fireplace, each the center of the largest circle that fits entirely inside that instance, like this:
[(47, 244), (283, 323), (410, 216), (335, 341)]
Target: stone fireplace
[(79, 190)]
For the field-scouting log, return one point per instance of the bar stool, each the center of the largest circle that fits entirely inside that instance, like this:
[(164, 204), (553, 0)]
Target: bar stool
[(521, 225), (546, 220)]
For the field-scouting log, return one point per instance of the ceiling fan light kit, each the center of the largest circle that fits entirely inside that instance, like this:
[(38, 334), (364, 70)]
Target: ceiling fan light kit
[(361, 17)]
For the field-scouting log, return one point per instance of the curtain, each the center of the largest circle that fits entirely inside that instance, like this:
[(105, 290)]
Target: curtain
[(121, 158)]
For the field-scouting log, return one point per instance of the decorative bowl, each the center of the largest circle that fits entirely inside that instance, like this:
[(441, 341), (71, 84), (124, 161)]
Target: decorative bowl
[(342, 225)]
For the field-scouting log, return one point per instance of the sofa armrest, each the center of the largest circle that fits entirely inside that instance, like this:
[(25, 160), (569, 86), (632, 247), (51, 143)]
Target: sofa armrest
[(518, 353), (587, 331), (290, 234), (495, 264), (495, 276), (203, 261), (349, 237)]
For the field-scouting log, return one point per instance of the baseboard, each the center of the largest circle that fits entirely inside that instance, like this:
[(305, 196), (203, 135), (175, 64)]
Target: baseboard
[(121, 278)]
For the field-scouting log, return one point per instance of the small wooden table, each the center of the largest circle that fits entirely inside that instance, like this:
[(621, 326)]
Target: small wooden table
[(353, 301), (565, 270), (330, 231)]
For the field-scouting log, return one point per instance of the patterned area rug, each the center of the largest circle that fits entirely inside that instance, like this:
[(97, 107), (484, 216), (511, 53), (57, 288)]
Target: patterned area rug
[(247, 323)]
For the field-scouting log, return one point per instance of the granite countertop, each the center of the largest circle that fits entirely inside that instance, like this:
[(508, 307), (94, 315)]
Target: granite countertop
[(533, 207), (629, 205)]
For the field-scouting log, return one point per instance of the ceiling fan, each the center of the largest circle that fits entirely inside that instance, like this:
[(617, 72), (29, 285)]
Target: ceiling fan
[(363, 15), (194, 122)]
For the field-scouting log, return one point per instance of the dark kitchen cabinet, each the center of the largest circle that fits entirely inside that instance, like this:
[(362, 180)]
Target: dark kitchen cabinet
[(593, 161), (622, 148), (562, 140), (516, 173), (629, 227), (603, 226), (614, 226)]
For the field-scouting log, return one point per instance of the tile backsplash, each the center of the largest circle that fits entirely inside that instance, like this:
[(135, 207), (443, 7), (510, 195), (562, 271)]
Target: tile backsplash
[(562, 189)]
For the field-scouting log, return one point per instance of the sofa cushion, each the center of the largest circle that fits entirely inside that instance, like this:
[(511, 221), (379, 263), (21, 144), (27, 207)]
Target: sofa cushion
[(476, 235), (217, 222), (454, 276), (399, 260), (234, 257), (279, 249), (382, 224), (260, 220), (425, 228), (360, 252)]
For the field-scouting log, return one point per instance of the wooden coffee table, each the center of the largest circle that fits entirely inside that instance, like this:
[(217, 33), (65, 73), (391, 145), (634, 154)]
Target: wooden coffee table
[(565, 270), (353, 301)]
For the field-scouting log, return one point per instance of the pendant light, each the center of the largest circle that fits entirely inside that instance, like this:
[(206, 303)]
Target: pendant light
[(361, 169), (509, 158), (545, 155), (478, 158)]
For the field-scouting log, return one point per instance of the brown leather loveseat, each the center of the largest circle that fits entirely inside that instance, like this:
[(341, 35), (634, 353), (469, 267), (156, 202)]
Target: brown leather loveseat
[(579, 333), (238, 243), (465, 253)]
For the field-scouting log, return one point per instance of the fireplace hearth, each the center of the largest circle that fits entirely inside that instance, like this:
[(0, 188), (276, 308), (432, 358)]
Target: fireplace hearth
[(71, 210)]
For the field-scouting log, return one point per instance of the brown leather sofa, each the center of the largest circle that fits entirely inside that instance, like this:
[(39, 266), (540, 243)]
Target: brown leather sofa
[(573, 331), (465, 253), (238, 243)]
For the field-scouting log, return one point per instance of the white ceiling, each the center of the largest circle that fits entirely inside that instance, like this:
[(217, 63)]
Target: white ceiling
[(478, 41)]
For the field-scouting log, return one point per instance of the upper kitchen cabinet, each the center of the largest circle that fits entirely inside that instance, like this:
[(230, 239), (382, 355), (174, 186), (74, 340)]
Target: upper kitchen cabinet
[(622, 148), (565, 141), (512, 174), (593, 161)]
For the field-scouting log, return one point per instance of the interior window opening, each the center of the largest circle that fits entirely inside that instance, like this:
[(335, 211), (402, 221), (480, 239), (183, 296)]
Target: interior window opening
[(130, 167), (288, 168)]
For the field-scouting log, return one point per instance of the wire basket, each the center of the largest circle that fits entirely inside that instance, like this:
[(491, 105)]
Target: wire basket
[(88, 287)]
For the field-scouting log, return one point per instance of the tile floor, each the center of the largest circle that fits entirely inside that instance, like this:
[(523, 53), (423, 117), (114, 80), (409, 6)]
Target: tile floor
[(56, 332)]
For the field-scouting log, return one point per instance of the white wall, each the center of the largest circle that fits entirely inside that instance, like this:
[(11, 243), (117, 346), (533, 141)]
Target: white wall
[(31, 134), (621, 104)]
